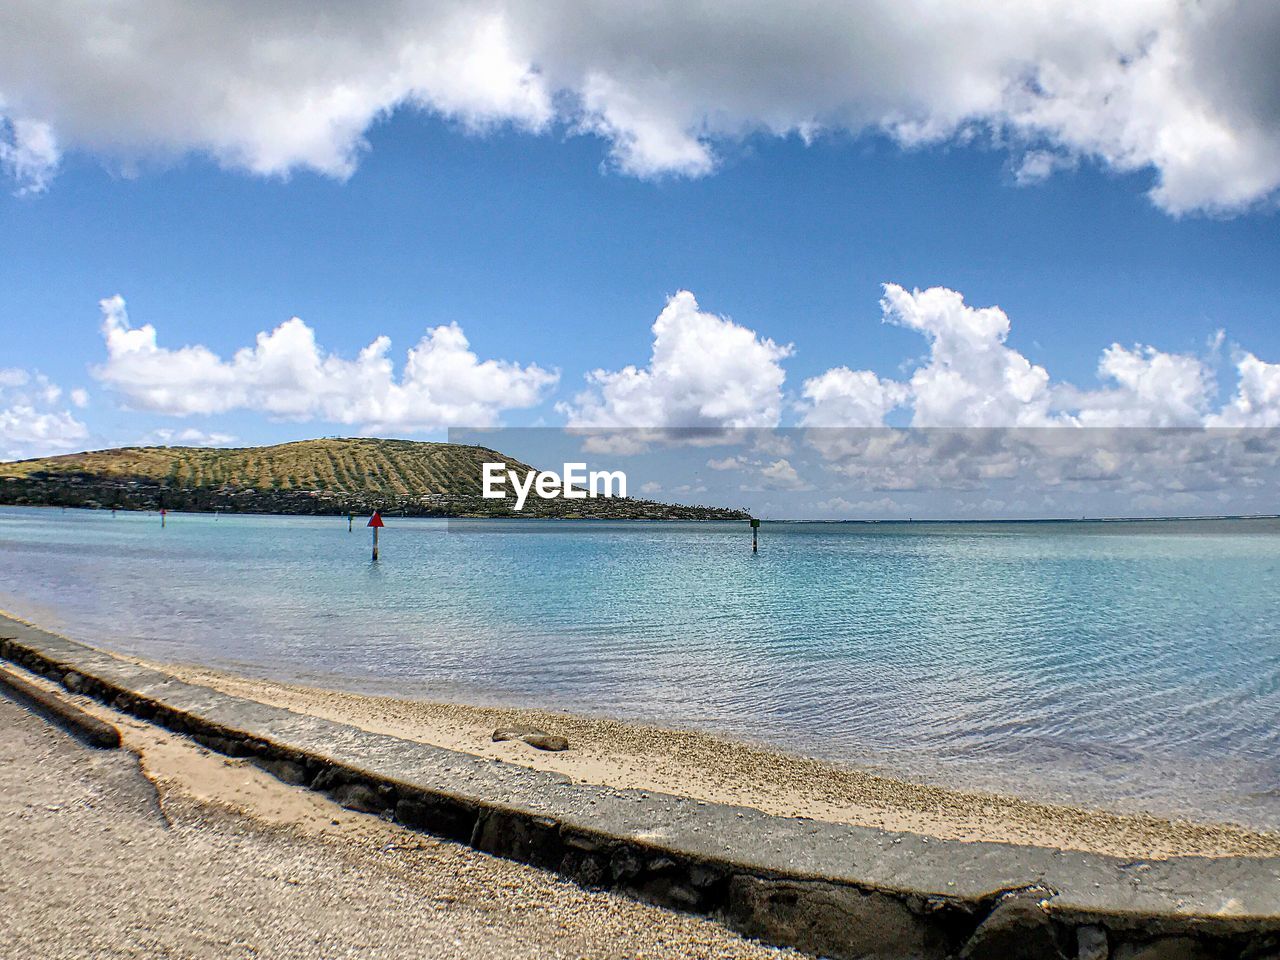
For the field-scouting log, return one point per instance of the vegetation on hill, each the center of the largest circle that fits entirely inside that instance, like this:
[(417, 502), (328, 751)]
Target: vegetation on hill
[(306, 477)]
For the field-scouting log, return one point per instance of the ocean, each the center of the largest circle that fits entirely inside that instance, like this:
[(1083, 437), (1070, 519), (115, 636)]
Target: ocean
[(1133, 666)]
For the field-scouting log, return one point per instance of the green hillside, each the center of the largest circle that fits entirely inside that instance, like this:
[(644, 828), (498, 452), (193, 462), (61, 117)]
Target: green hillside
[(306, 477)]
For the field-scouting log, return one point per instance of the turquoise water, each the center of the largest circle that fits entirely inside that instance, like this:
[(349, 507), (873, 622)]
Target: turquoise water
[(1130, 665)]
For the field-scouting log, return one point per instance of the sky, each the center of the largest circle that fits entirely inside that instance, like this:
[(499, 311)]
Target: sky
[(233, 224)]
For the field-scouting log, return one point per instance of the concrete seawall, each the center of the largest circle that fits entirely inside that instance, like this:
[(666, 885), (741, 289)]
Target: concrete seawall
[(829, 889)]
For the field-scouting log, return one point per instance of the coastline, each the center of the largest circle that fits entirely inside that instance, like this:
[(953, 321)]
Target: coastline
[(716, 769), (828, 888)]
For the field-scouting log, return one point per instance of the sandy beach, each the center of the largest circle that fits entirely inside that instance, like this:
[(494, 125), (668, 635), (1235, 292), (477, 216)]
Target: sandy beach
[(720, 770)]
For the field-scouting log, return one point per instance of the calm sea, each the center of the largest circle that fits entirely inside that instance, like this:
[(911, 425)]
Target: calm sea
[(1131, 665)]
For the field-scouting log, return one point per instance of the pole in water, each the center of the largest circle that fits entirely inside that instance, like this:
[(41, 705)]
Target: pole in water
[(163, 514), (755, 529), (376, 522), (351, 517)]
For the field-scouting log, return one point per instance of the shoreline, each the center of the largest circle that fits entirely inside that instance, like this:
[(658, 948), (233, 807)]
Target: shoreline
[(828, 888), (717, 769), (814, 521)]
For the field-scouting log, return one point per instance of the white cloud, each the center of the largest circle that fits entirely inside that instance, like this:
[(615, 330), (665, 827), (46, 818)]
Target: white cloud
[(840, 505), (260, 88), (1256, 402), (1186, 90), (285, 374), (29, 153), (1037, 166), (705, 371), (726, 463), (31, 424), (708, 375), (190, 437), (850, 398), (1152, 389), (781, 475), (971, 377)]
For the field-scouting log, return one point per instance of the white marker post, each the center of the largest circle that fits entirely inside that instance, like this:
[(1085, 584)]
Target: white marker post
[(376, 522)]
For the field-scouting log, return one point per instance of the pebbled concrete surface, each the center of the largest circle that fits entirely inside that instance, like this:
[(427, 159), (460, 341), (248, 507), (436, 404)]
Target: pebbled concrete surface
[(95, 863)]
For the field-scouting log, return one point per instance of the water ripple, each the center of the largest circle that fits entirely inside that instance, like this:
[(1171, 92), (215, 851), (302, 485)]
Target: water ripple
[(1126, 665)]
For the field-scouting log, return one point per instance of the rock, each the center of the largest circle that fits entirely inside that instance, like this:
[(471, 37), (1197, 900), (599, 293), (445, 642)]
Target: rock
[(624, 865), (515, 733), (1091, 943), (1017, 929), (357, 796), (533, 736), (1166, 948), (546, 741), (326, 779), (289, 771), (73, 681), (451, 820), (828, 919)]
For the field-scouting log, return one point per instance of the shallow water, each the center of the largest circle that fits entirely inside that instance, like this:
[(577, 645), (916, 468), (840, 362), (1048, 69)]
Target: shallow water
[(1135, 666)]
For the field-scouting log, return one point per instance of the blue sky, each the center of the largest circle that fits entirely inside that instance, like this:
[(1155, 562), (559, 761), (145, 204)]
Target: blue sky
[(548, 247)]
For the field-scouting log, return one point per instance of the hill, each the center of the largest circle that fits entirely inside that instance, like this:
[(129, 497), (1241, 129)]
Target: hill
[(330, 476)]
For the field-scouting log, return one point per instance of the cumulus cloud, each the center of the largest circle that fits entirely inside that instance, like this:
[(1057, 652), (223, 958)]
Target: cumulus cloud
[(1149, 389), (708, 375), (1256, 402), (781, 475), (1187, 90), (850, 398), (972, 377), (31, 422), (285, 374), (705, 371)]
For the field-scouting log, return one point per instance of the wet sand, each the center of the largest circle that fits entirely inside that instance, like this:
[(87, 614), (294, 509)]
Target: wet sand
[(720, 770)]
